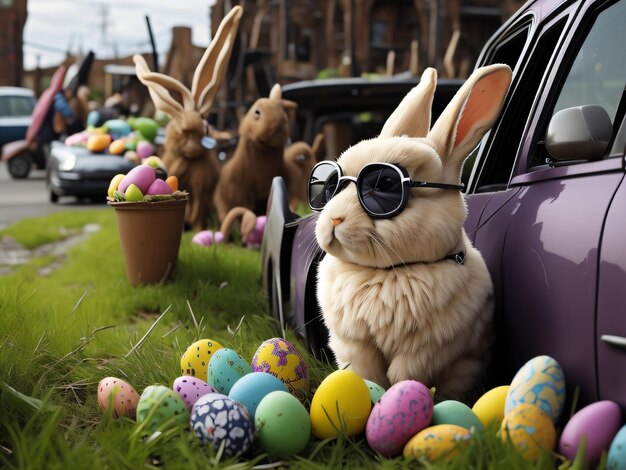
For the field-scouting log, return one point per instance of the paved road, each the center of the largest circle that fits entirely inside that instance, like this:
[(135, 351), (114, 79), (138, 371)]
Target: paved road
[(28, 198)]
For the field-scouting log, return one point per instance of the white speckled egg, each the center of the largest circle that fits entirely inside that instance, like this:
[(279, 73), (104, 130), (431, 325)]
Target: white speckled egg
[(225, 368), (539, 382)]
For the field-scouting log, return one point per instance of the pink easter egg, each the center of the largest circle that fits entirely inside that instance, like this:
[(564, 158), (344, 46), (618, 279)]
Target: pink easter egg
[(403, 411), (159, 186), (598, 423), (144, 149), (191, 389), (207, 238), (142, 176)]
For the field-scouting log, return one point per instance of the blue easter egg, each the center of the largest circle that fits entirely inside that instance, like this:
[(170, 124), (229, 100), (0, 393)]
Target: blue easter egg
[(225, 368), (252, 388)]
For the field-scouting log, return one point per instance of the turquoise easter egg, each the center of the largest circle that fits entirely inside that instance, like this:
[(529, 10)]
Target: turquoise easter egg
[(225, 368)]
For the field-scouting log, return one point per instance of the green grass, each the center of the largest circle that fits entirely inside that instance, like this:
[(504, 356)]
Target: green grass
[(61, 333)]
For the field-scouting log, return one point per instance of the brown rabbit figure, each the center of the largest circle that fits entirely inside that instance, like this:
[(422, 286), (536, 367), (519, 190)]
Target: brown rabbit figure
[(247, 177), (196, 167), (300, 158), (403, 292)]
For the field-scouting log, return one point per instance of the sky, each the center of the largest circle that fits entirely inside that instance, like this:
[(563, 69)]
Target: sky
[(108, 27)]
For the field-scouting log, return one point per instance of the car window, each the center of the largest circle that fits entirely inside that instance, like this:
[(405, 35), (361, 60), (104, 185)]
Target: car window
[(597, 73), (16, 105), (501, 148)]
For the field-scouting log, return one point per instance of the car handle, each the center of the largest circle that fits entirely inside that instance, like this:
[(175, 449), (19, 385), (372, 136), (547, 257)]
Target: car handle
[(619, 341)]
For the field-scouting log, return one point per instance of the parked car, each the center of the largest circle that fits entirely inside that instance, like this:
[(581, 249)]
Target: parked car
[(76, 171), (16, 108), (546, 198)]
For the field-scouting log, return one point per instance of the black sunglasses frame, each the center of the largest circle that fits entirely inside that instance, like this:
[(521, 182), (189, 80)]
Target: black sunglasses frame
[(404, 180)]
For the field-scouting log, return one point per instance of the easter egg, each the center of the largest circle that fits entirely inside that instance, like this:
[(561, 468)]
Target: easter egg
[(113, 185), (160, 406), (172, 182), (159, 187), (153, 161), (530, 429), (117, 396), (404, 410), (98, 142), (117, 147), (195, 360), (539, 382), (250, 389), (435, 442), (132, 156), (207, 238), (340, 405), (282, 424), (141, 176), (225, 368), (133, 194), (144, 149), (455, 412), (280, 358), (597, 423), (376, 391), (617, 451), (219, 421), (117, 128), (489, 408), (191, 389), (79, 138)]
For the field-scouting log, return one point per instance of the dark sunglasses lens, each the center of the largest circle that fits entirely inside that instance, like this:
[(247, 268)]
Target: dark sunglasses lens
[(380, 189), (322, 185)]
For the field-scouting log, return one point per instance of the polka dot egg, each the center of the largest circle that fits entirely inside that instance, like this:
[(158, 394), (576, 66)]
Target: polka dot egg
[(225, 368), (219, 421), (195, 361), (191, 389), (118, 396), (159, 406)]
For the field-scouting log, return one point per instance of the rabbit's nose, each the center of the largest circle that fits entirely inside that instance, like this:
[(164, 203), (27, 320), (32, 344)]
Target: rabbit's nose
[(335, 222)]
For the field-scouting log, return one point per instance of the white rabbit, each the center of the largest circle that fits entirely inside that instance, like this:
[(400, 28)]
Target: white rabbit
[(409, 297)]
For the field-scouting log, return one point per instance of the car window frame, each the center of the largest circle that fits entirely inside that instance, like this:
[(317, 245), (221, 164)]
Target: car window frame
[(566, 11), (576, 32)]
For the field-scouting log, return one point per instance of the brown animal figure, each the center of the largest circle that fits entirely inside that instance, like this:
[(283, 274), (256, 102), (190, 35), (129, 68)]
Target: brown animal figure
[(196, 167), (300, 158), (246, 178)]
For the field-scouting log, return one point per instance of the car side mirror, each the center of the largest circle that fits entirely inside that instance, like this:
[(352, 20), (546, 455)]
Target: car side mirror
[(579, 133)]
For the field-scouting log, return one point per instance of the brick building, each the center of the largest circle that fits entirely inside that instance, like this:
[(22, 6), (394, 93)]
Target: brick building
[(12, 20)]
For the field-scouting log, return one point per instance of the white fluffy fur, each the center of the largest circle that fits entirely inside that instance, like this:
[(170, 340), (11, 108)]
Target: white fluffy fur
[(394, 307)]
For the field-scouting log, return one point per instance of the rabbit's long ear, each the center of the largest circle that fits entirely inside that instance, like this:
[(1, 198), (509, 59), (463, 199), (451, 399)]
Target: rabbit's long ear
[(469, 115), (412, 116), (209, 73), (160, 87)]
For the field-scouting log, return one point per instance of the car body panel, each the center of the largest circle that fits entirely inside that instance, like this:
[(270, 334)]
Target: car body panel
[(16, 107), (88, 177)]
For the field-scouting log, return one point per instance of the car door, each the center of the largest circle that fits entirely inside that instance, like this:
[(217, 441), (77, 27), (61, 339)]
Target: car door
[(554, 222)]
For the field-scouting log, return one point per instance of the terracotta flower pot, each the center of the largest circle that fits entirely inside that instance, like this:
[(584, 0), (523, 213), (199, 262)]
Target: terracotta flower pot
[(150, 234)]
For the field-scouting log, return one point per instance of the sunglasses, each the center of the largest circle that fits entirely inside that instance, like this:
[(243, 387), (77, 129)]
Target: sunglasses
[(381, 187)]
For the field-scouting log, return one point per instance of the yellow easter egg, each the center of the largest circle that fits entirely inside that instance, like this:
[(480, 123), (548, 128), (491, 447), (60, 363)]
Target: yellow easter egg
[(279, 357), (115, 182), (490, 407), (341, 404), (195, 360), (437, 441), (530, 429)]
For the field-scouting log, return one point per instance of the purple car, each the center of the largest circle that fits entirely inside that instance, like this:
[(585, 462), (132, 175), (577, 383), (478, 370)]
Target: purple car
[(546, 199)]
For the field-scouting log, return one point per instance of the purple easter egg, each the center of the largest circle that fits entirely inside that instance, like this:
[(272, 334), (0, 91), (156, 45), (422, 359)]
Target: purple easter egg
[(159, 186), (191, 389), (142, 176)]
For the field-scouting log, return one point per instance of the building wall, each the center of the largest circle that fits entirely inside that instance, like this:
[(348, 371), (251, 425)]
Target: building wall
[(12, 20)]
